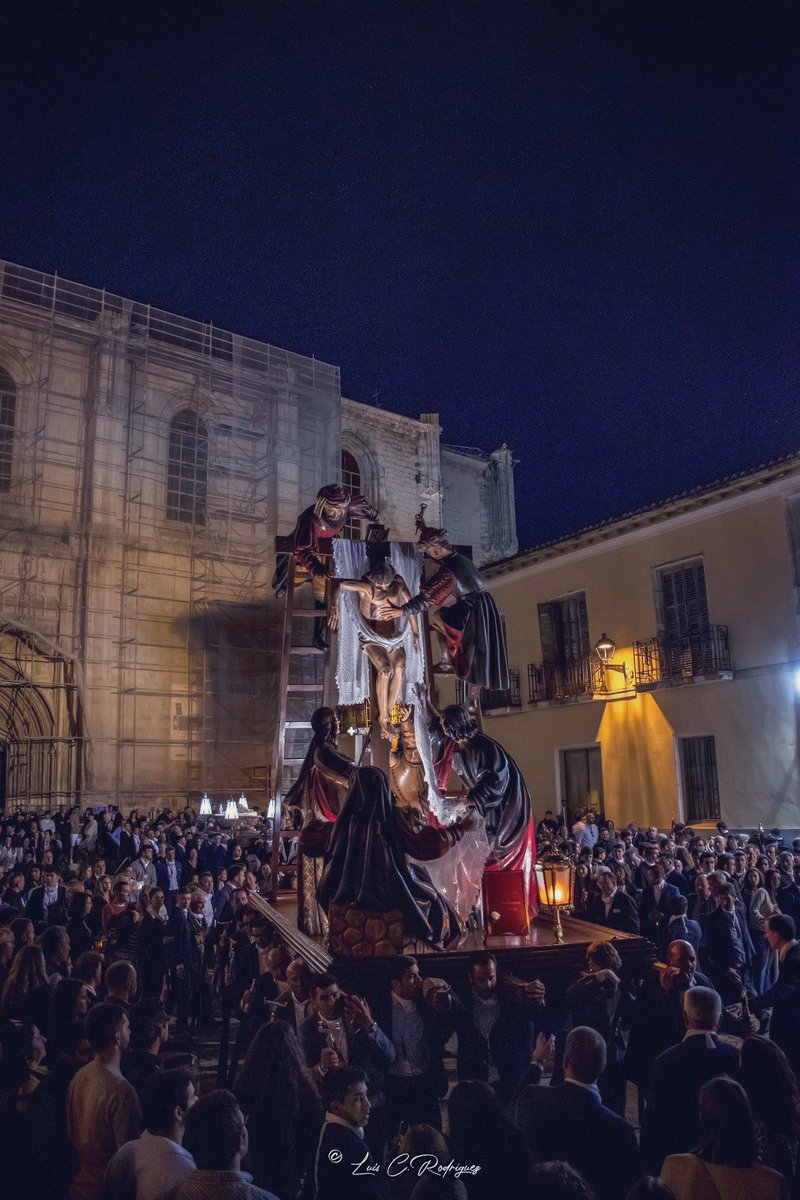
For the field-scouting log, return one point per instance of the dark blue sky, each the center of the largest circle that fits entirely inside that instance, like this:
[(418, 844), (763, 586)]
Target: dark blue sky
[(567, 225)]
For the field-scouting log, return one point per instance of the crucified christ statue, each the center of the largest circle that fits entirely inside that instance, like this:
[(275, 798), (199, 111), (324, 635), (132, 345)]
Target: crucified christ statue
[(382, 585)]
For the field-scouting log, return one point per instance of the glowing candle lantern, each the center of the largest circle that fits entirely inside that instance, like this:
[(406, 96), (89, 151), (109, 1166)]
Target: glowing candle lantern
[(555, 877)]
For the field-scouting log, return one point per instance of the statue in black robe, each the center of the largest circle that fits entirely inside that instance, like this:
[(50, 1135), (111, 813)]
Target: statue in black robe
[(365, 859), (494, 784)]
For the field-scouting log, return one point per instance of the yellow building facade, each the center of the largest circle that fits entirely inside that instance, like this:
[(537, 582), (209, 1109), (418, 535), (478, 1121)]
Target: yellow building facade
[(696, 714)]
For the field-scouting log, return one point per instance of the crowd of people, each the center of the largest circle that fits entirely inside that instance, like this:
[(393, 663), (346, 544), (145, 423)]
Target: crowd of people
[(121, 937)]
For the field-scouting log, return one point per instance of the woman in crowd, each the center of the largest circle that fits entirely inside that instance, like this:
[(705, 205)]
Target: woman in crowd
[(775, 1103), (190, 868), (33, 878), (283, 1110), (425, 1141), (763, 904), (583, 889), (34, 1047), (79, 929), (753, 880), (723, 1165), (26, 992), (102, 897), (49, 1156)]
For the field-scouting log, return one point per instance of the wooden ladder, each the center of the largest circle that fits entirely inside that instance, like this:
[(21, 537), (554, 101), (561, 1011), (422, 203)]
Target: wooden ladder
[(296, 653)]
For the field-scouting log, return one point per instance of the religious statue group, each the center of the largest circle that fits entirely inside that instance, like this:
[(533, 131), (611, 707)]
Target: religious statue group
[(403, 850)]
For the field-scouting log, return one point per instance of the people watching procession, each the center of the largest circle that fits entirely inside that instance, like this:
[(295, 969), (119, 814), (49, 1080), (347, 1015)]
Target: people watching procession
[(102, 981)]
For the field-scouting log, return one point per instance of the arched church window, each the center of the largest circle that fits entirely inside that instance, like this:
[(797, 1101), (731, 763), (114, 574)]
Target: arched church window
[(187, 469), (8, 415), (351, 478)]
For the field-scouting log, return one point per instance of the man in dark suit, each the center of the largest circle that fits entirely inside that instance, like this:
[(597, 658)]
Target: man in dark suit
[(784, 995), (727, 948), (613, 908), (341, 1031), (571, 1123), (496, 1033), (47, 904), (341, 1144), (671, 1119), (659, 1019), (655, 906), (185, 962), (168, 876), (418, 1027), (673, 876)]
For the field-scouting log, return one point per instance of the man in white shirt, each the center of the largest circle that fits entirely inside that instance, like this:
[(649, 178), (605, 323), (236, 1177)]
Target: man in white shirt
[(416, 1079), (206, 884), (102, 1107), (296, 1004), (156, 1162)]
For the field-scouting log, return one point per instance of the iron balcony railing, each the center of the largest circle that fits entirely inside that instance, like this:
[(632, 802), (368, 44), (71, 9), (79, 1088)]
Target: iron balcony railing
[(565, 681), (663, 659), (509, 697)]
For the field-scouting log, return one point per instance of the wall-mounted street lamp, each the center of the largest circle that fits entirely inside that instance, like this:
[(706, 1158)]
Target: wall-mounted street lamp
[(605, 649)]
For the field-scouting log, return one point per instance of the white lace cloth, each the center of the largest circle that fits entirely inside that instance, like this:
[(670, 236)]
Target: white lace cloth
[(458, 873)]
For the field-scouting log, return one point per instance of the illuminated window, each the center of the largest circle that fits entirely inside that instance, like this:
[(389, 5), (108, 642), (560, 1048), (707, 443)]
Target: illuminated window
[(187, 471), (351, 478), (8, 412)]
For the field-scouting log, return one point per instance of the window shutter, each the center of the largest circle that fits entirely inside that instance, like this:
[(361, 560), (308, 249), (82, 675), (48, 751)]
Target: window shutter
[(583, 618), (684, 601), (696, 601), (547, 632)]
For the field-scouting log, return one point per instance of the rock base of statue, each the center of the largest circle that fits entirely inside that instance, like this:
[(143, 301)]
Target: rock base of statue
[(359, 933)]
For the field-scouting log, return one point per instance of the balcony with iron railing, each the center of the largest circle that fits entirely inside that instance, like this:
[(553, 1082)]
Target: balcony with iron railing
[(664, 660), (510, 697), (565, 682)]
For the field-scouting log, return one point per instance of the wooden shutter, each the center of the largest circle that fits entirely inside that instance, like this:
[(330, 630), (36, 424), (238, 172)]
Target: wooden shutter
[(684, 600), (583, 618), (547, 632)]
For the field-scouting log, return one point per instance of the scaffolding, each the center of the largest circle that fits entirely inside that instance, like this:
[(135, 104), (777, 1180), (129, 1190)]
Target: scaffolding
[(164, 630)]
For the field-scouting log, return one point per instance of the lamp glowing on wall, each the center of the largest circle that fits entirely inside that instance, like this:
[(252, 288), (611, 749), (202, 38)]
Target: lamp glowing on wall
[(555, 879), (205, 806), (605, 649), (231, 811)]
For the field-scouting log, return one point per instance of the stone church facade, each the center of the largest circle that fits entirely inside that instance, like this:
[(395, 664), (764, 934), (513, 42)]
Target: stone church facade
[(147, 463)]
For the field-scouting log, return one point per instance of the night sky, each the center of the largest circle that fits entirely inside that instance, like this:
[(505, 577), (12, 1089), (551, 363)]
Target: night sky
[(570, 226)]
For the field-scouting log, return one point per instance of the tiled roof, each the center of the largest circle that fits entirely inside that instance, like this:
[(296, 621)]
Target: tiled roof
[(693, 494)]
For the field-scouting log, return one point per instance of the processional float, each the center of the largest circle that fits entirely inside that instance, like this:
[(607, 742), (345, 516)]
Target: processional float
[(428, 828)]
